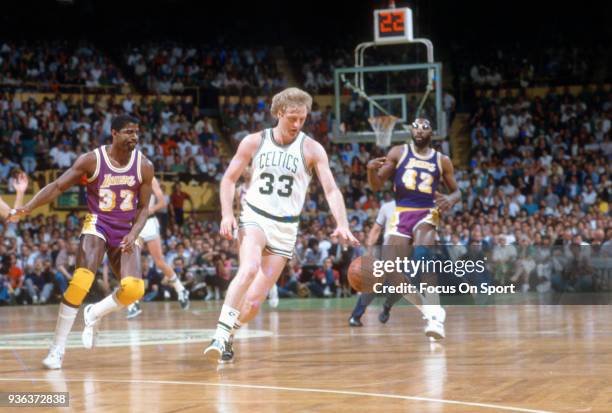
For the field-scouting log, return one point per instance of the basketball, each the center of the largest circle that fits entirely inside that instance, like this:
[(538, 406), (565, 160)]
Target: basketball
[(359, 277), (354, 274)]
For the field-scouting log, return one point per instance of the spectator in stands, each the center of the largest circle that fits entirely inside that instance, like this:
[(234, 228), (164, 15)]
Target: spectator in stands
[(39, 282), (177, 202), (65, 263)]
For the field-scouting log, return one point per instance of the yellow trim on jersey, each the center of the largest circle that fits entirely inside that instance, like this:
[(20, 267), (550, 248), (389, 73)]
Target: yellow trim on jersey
[(404, 154), (97, 171), (406, 209), (421, 157), (439, 160), (115, 169)]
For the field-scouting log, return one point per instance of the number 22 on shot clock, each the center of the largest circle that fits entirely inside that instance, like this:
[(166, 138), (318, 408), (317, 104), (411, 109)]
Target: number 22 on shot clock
[(393, 25)]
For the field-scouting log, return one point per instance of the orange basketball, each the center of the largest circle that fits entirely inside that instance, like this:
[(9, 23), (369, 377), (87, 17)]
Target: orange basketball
[(360, 276)]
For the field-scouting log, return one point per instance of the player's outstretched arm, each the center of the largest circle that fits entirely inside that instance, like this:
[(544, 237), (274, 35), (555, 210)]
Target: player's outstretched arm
[(84, 165), (244, 154), (381, 169), (142, 213), (445, 202), (332, 193)]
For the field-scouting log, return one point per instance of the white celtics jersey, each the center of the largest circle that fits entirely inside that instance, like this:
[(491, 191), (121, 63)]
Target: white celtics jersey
[(279, 178)]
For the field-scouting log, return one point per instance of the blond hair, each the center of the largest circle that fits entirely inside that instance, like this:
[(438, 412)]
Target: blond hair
[(290, 97)]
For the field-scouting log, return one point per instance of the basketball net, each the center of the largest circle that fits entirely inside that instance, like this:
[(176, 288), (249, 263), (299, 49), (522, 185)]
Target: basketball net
[(383, 129)]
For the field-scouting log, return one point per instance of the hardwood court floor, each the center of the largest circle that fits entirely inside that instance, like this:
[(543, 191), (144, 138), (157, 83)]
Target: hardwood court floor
[(304, 357)]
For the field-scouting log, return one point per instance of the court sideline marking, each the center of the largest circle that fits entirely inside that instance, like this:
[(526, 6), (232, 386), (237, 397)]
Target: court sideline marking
[(278, 388)]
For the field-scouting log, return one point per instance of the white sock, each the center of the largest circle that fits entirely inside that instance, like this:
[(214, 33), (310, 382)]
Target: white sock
[(107, 305), (226, 322), (237, 325), (432, 299), (177, 284), (431, 309), (65, 320)]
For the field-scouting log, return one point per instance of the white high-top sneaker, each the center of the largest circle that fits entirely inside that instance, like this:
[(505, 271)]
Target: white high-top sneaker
[(54, 359), (90, 331), (435, 316)]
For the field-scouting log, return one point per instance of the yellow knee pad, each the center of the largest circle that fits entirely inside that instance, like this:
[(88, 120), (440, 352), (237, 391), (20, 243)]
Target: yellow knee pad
[(132, 289), (79, 286)]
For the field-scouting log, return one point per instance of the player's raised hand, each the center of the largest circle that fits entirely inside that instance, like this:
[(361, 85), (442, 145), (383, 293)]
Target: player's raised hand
[(227, 227), (16, 214), (345, 236), (377, 163), (21, 183), (443, 202)]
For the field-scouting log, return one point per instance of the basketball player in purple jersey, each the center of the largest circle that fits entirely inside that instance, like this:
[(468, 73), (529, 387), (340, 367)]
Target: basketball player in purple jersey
[(417, 169), (118, 191)]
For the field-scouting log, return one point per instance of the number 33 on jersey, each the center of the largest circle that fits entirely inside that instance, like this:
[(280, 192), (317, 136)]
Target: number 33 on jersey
[(280, 177)]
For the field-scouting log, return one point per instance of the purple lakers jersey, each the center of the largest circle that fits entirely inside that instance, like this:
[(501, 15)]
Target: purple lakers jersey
[(112, 196), (416, 178)]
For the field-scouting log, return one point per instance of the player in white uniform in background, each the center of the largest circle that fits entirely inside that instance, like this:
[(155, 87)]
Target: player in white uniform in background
[(150, 235), (282, 160), (382, 224)]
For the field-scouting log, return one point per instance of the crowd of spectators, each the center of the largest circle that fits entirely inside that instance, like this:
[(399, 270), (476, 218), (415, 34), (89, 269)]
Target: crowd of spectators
[(520, 66), (539, 175), (53, 132), (547, 184), (47, 65), (172, 67), (315, 67)]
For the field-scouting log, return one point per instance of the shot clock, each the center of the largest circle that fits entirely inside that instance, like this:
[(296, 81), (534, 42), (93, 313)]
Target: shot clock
[(392, 25)]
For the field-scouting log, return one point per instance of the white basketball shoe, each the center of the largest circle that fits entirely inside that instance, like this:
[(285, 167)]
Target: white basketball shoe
[(435, 316), (54, 359), (90, 331)]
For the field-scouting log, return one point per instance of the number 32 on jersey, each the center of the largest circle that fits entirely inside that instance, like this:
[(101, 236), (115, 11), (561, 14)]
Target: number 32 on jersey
[(108, 200)]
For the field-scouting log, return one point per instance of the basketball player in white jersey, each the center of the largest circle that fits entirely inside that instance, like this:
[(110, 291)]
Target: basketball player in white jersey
[(382, 224), (283, 160), (150, 235)]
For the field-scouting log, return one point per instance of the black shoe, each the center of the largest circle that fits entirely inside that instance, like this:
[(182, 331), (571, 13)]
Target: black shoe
[(355, 322), (228, 353), (215, 350), (133, 310), (384, 315)]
